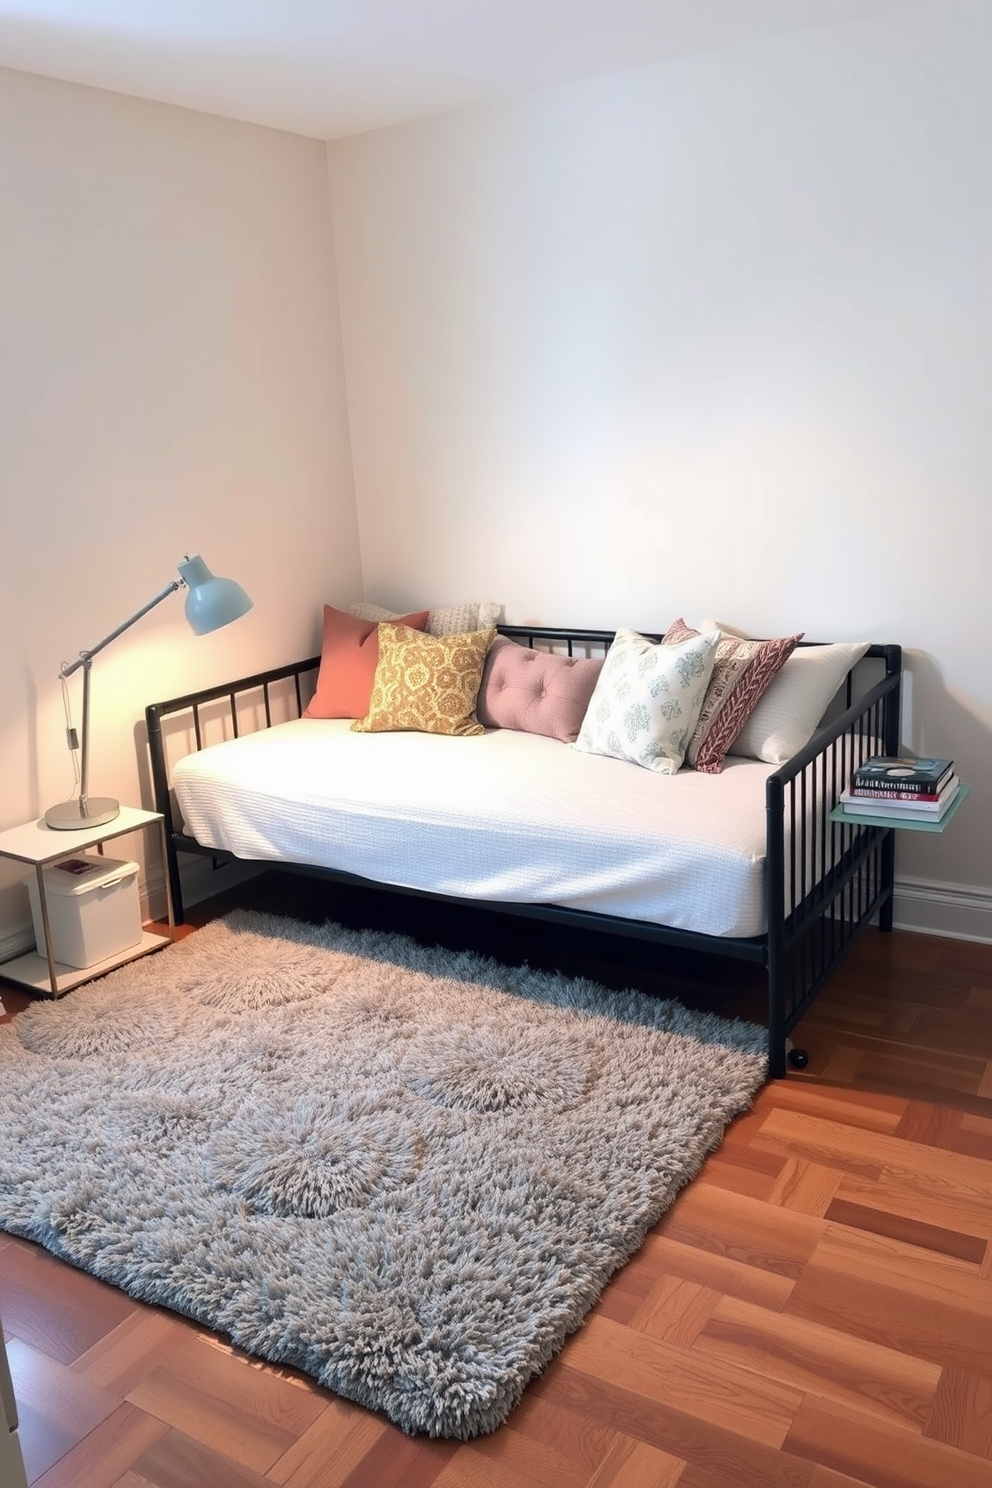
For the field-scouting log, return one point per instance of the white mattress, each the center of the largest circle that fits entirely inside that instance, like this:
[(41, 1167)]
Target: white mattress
[(505, 815)]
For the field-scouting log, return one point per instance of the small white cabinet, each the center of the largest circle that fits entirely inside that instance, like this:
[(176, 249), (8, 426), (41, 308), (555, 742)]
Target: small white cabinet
[(38, 845)]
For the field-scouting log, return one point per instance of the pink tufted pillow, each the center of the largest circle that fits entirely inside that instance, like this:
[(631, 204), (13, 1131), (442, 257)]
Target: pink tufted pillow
[(534, 692)]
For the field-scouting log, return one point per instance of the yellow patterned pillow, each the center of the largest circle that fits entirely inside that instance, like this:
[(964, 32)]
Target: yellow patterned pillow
[(425, 682)]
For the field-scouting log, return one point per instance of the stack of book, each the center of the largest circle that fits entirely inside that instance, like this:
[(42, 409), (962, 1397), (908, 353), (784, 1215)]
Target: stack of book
[(904, 788)]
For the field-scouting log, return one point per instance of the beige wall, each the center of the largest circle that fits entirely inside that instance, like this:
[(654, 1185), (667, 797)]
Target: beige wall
[(170, 382), (711, 338), (708, 338)]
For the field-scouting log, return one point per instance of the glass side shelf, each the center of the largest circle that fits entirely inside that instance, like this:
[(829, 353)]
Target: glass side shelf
[(901, 823)]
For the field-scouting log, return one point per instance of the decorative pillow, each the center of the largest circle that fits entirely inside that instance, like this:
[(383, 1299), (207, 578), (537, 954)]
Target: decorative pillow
[(535, 692), (424, 682), (448, 620), (647, 700), (787, 716), (348, 657), (728, 630), (742, 673)]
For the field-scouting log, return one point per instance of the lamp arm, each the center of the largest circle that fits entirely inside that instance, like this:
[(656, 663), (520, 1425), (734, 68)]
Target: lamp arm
[(68, 667), (211, 603)]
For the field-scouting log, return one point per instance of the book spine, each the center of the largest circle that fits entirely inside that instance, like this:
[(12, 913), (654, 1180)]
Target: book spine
[(869, 793), (862, 783), (915, 807)]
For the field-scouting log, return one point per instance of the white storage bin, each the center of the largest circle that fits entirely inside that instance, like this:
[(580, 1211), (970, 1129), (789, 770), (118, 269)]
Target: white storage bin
[(93, 908)]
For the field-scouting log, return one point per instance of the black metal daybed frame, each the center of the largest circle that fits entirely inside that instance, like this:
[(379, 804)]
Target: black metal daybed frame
[(837, 875)]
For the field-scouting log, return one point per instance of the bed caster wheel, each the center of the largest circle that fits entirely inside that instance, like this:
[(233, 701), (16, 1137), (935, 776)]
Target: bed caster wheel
[(798, 1058)]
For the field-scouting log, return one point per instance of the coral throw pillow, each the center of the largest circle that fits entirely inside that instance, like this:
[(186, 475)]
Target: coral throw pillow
[(426, 683), (742, 674), (348, 657)]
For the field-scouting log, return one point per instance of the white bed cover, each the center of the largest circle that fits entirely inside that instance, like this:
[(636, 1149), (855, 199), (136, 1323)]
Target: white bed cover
[(504, 815)]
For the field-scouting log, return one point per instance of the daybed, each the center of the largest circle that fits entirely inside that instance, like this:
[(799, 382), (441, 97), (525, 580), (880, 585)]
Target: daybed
[(744, 863)]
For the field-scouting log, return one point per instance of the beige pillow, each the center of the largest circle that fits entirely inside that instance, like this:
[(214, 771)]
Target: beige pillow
[(426, 683), (443, 621), (728, 630)]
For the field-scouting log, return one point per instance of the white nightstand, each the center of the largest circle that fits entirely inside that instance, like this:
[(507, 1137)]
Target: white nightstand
[(38, 845)]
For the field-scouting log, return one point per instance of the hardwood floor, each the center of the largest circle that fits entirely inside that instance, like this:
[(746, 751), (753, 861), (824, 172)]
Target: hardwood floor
[(815, 1310)]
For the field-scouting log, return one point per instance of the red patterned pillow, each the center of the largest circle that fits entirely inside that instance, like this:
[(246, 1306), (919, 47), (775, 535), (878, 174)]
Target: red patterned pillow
[(742, 673)]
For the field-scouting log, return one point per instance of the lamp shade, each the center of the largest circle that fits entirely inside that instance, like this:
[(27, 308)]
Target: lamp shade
[(211, 602)]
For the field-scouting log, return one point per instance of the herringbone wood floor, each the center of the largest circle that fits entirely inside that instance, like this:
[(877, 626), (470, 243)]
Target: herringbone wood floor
[(815, 1310)]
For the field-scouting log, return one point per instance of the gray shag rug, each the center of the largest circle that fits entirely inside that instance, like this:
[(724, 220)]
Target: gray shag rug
[(408, 1172)]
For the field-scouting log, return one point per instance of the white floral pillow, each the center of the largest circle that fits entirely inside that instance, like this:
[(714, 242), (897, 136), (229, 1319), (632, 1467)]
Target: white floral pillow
[(647, 700), (444, 621)]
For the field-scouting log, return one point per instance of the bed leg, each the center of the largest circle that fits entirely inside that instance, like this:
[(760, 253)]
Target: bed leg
[(887, 911), (776, 1024), (775, 938), (175, 881)]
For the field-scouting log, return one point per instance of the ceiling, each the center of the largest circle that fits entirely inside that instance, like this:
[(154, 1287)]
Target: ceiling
[(334, 67)]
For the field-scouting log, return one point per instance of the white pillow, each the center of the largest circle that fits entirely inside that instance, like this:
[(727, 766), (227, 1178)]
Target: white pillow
[(444, 621), (647, 699), (786, 718)]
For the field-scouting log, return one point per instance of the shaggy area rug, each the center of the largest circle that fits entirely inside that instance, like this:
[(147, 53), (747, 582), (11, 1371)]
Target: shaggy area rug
[(408, 1172)]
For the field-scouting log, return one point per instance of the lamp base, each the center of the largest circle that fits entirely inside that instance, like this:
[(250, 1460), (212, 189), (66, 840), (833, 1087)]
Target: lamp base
[(69, 816)]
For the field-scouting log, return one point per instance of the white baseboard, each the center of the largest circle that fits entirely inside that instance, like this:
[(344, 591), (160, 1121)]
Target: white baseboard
[(955, 911)]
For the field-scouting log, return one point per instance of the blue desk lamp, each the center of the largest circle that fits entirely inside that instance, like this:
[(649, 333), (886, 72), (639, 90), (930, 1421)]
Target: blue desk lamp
[(210, 603)]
